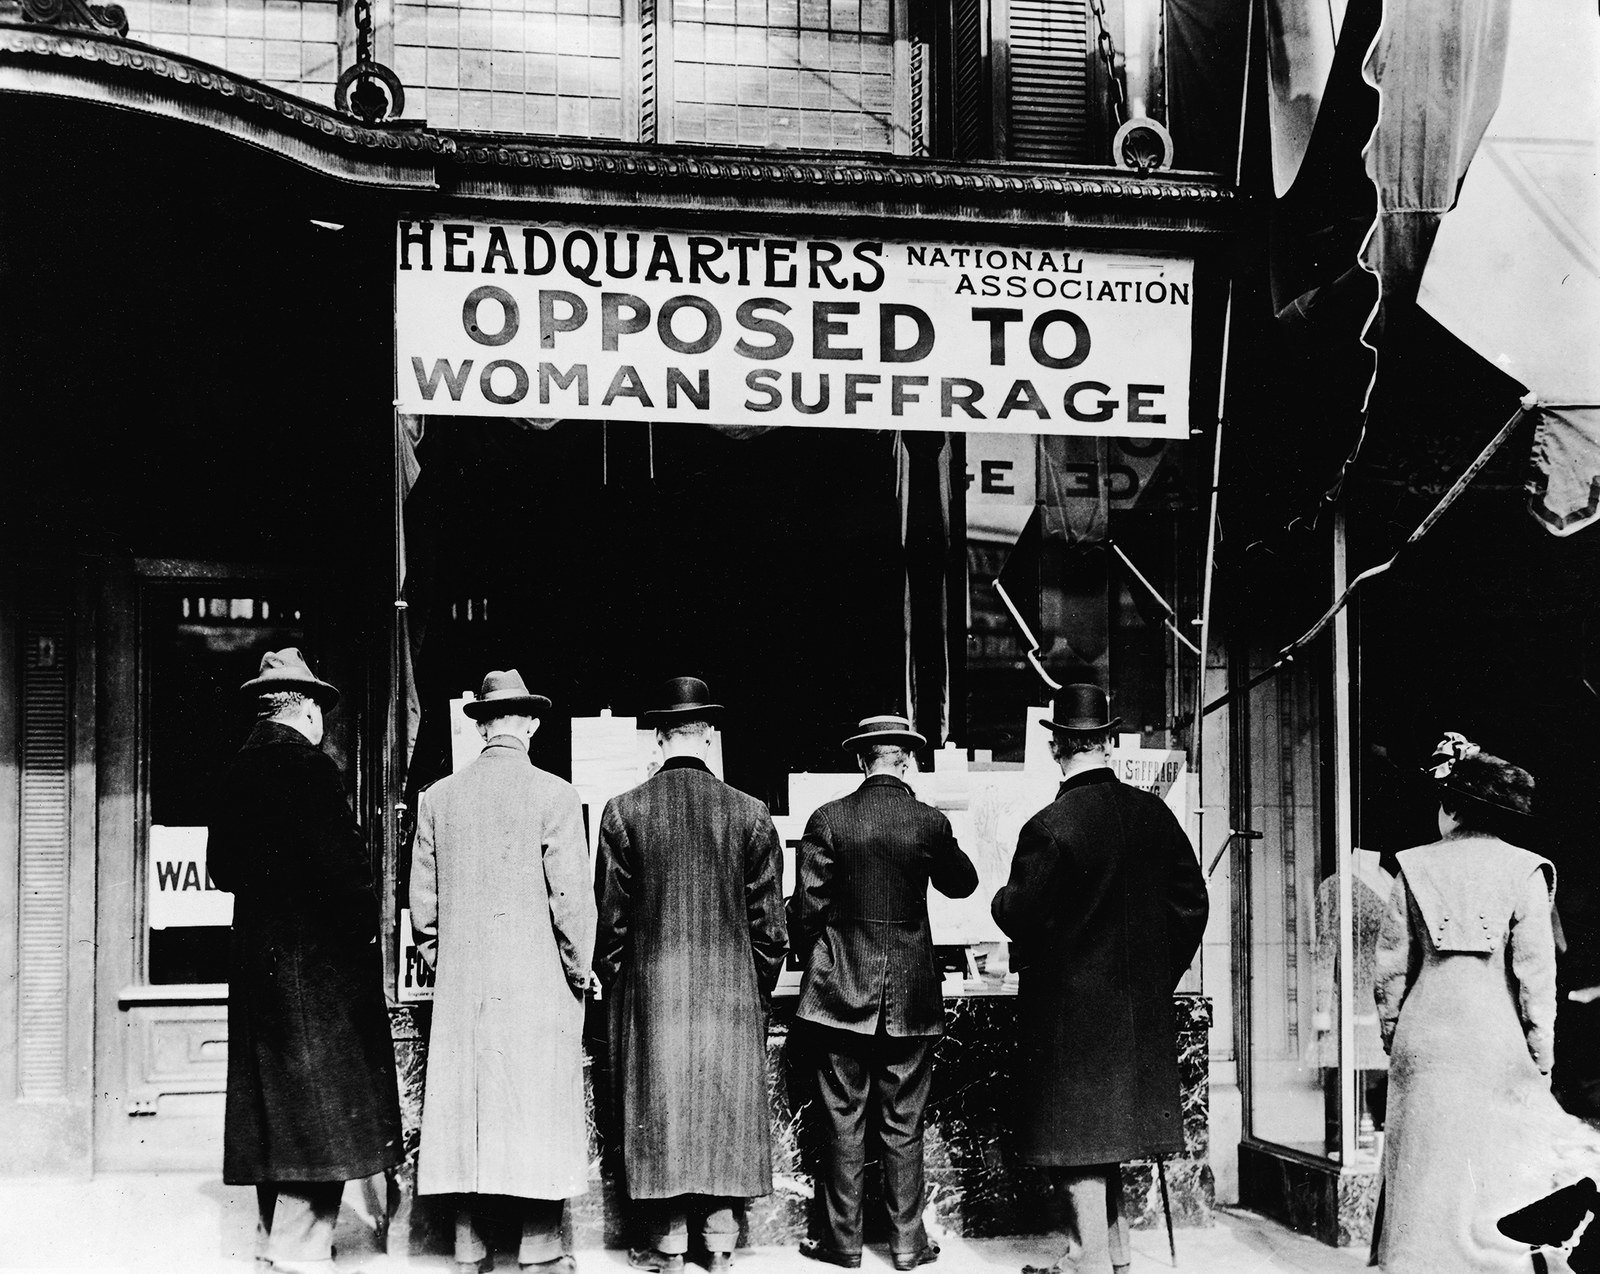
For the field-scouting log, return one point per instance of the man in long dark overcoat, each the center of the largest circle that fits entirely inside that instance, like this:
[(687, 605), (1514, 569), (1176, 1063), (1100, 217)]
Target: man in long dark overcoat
[(871, 992), (1106, 907), (503, 909), (691, 939), (311, 1099)]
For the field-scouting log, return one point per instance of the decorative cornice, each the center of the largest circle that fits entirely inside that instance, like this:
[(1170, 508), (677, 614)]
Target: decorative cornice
[(838, 173), (109, 18), (470, 166), (231, 90)]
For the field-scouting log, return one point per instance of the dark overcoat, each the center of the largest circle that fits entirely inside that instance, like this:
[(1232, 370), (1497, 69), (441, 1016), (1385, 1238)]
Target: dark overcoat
[(311, 1076), (691, 939), (859, 915), (503, 908), (1106, 906)]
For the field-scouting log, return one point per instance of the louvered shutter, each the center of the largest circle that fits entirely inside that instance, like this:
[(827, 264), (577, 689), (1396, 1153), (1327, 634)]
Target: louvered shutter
[(43, 917), (1048, 93), (972, 119)]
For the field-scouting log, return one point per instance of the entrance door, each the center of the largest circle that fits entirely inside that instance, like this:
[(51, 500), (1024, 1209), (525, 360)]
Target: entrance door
[(178, 642)]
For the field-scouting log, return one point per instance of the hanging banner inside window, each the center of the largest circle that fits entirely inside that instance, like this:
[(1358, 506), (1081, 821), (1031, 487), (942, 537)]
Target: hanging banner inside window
[(556, 321)]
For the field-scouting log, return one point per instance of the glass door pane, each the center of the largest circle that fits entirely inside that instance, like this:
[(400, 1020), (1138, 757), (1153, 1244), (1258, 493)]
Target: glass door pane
[(1293, 919), (202, 641)]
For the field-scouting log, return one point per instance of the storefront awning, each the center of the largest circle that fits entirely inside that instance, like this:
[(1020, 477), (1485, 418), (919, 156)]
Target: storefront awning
[(1515, 271)]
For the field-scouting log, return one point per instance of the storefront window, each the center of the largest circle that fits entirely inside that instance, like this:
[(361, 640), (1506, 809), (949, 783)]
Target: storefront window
[(202, 642), (1293, 916), (1084, 534)]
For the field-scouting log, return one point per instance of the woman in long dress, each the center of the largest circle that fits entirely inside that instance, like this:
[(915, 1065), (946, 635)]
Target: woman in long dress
[(1466, 1002)]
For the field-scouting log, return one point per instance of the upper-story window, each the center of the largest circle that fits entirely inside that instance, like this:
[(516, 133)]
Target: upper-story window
[(969, 79), (818, 74), (518, 66)]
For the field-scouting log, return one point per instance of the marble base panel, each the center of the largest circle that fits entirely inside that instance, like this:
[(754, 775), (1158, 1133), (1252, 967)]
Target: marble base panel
[(1318, 1198), (976, 1187)]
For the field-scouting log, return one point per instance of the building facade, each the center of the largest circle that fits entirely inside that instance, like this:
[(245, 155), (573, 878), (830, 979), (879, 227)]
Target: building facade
[(207, 215)]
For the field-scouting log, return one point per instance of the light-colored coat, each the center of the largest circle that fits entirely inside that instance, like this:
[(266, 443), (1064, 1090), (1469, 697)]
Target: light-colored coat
[(1466, 1003), (503, 910)]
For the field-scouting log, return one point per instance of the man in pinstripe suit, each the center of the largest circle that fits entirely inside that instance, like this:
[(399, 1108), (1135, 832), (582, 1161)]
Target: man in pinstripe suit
[(871, 991), (691, 940)]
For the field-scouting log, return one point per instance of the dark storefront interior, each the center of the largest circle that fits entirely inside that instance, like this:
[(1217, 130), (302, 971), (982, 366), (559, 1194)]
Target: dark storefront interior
[(602, 558), (193, 452)]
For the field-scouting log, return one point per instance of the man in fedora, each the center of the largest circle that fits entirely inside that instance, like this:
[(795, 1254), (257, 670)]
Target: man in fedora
[(690, 943), (311, 1099), (871, 991), (503, 910), (1105, 907)]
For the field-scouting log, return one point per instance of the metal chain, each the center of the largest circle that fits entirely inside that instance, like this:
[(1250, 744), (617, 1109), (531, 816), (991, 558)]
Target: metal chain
[(1108, 55), (363, 32)]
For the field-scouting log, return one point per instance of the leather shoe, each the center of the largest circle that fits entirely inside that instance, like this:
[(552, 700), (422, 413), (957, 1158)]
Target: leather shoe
[(812, 1250), (647, 1258), (475, 1267), (722, 1261), (927, 1254), (555, 1265)]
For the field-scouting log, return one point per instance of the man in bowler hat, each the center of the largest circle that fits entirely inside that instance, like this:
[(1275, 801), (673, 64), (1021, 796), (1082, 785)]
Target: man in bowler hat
[(871, 991), (691, 939), (1105, 907), (503, 910), (312, 1101)]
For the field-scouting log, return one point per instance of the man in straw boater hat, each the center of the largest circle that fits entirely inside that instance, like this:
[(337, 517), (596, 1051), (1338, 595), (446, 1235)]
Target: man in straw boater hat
[(503, 909), (690, 944), (311, 1099), (1105, 907), (871, 991)]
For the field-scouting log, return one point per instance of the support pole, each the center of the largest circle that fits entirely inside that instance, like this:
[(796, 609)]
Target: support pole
[(1344, 841)]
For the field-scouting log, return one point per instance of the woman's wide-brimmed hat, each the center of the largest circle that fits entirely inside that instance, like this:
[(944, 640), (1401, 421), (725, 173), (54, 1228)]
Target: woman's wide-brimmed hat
[(889, 729), (505, 694), (1080, 708), (286, 671), (682, 699), (1464, 770)]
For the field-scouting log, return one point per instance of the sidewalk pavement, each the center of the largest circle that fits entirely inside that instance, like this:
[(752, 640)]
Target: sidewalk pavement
[(190, 1223)]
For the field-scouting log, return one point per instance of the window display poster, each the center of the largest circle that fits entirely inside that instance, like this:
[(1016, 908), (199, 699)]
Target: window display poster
[(465, 741), (987, 809), (414, 979), (610, 755), (179, 891)]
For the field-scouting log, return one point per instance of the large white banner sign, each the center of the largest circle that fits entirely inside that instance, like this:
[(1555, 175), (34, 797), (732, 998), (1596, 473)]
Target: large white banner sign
[(594, 323)]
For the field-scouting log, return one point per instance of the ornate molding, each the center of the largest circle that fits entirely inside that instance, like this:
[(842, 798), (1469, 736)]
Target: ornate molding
[(847, 173), (104, 19), (228, 91), (156, 83)]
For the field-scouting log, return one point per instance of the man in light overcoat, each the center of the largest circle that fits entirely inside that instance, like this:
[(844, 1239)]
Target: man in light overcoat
[(1105, 907), (312, 1101), (690, 943), (503, 911), (871, 993)]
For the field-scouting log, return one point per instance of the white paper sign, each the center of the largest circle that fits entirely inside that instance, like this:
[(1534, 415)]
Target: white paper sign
[(465, 741), (613, 323), (180, 894), (413, 979)]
